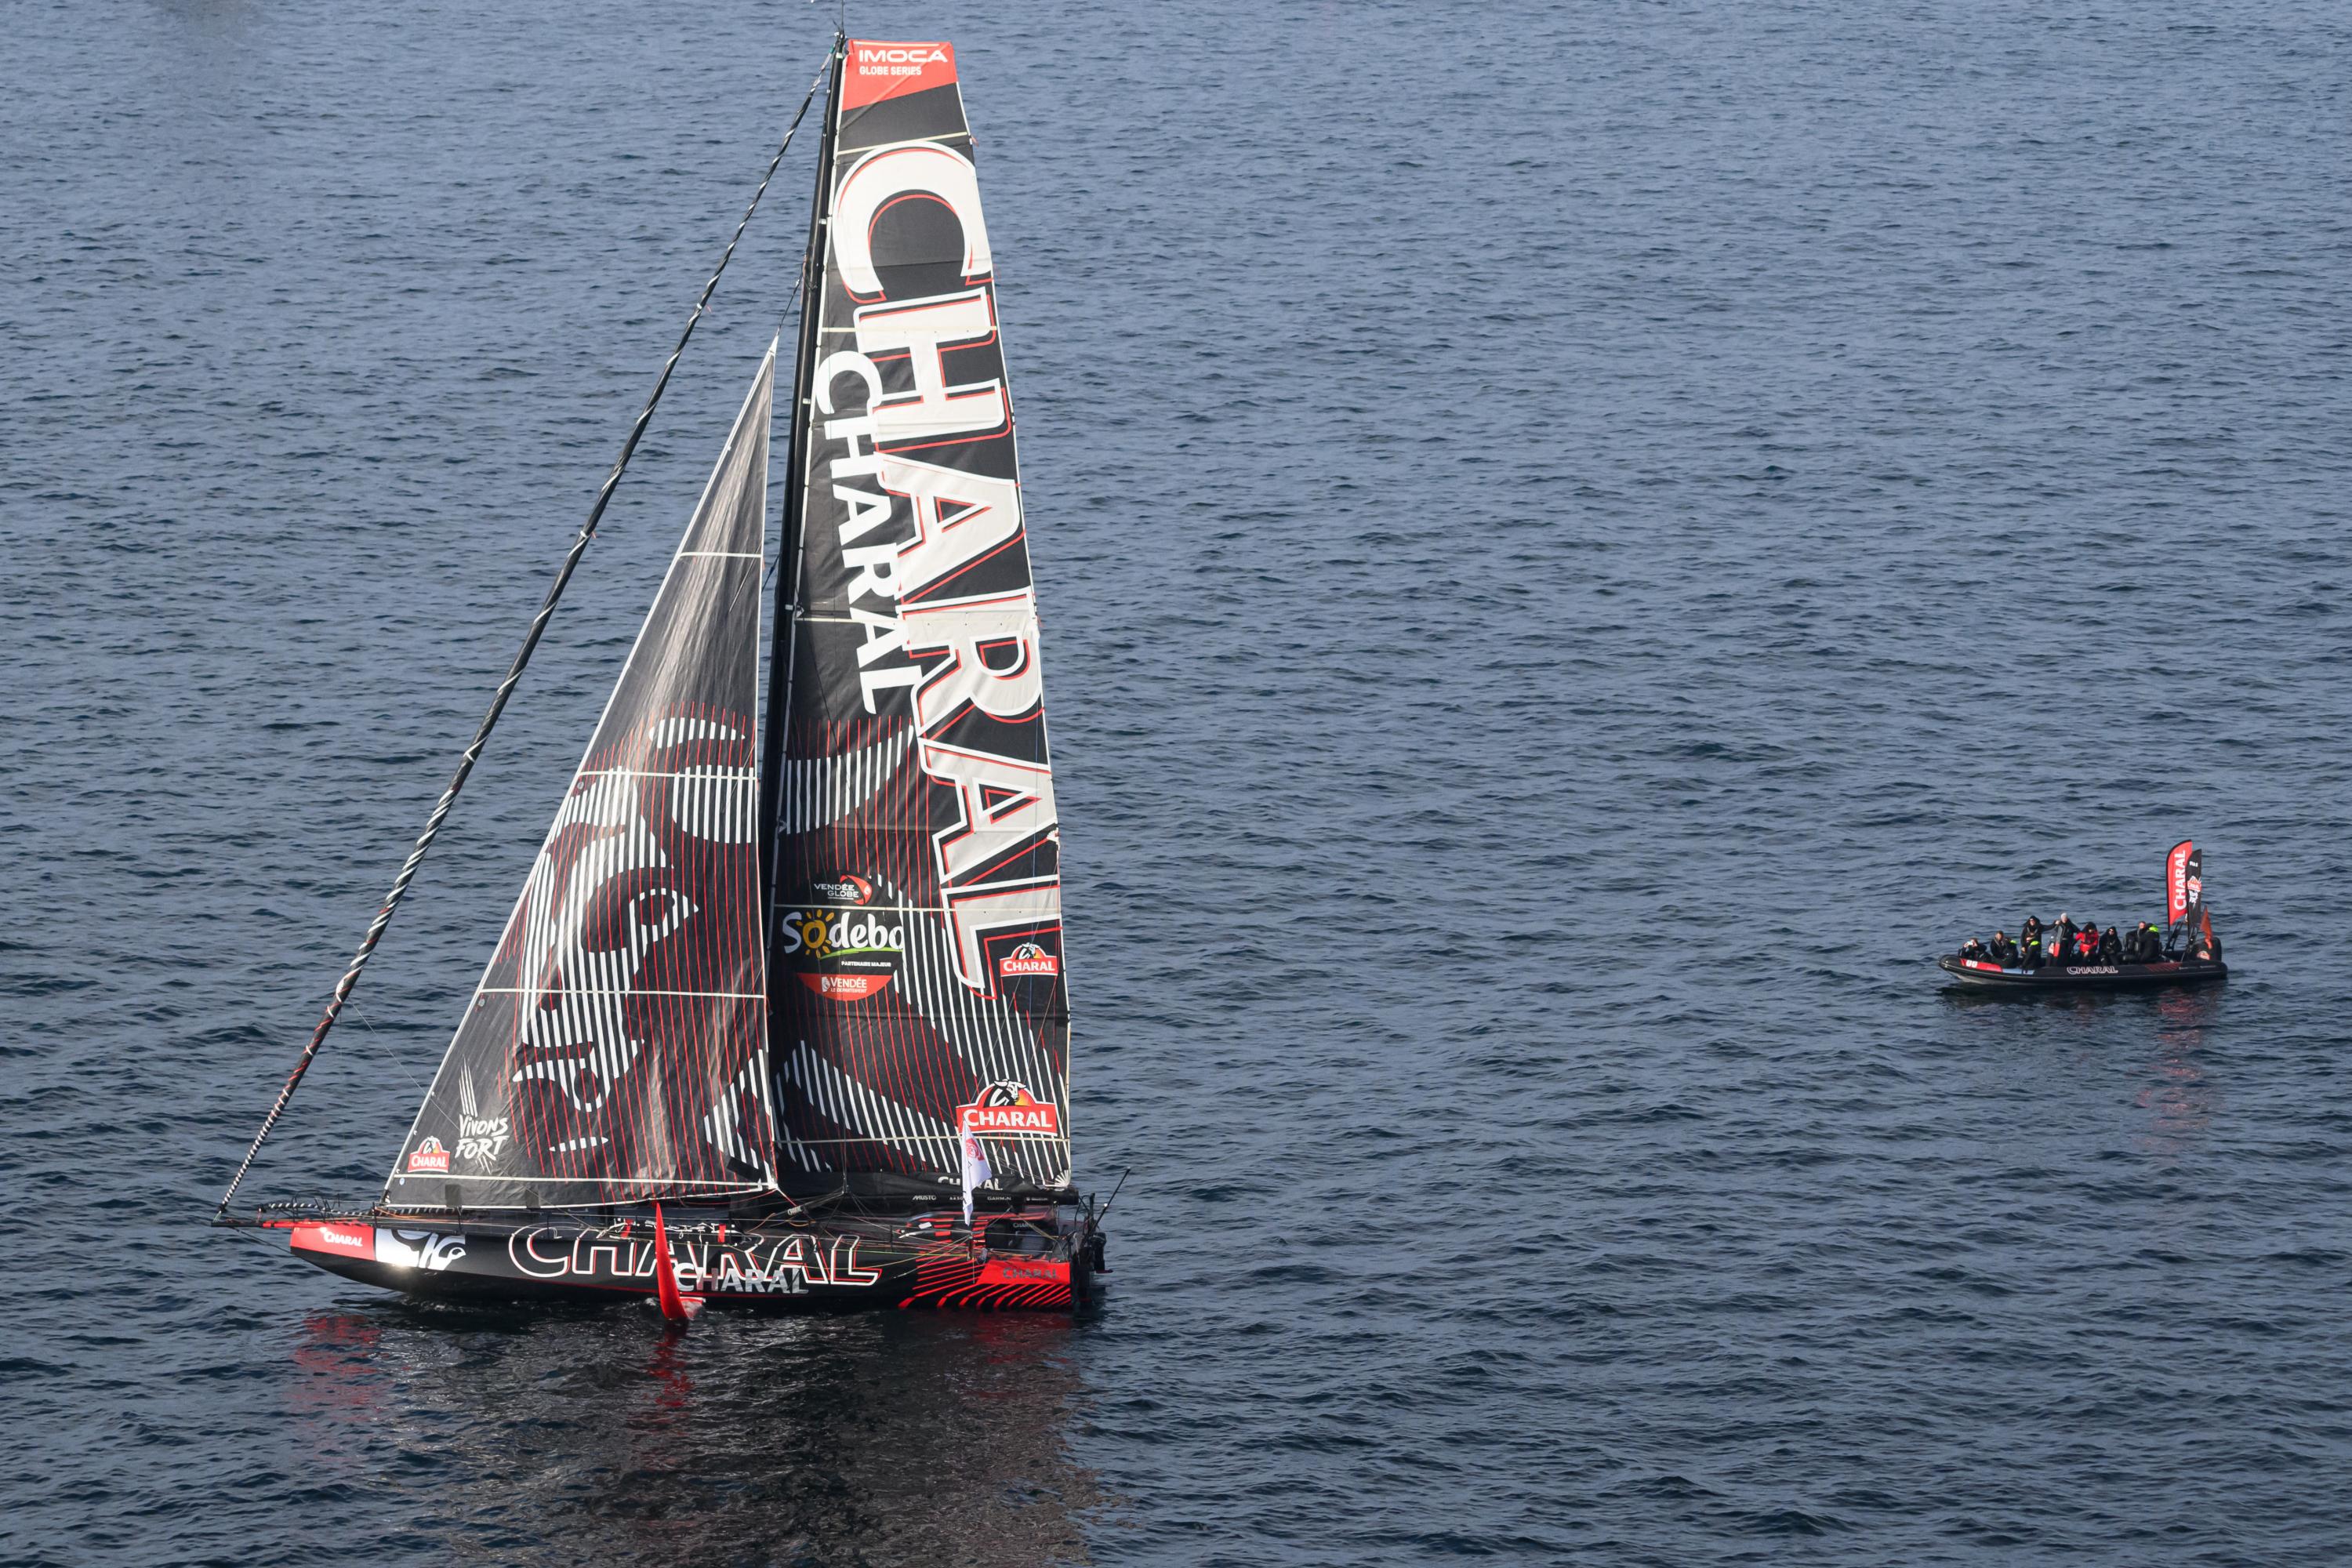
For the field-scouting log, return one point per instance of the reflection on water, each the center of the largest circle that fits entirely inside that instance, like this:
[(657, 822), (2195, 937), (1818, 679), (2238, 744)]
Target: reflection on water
[(2183, 1017), (879, 1438), (2167, 1030), (2181, 1095)]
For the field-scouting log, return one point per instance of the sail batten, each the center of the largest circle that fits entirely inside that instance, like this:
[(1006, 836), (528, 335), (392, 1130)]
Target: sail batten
[(616, 1048), (916, 937)]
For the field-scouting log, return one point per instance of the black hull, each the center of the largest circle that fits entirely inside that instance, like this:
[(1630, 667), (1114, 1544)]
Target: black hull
[(1985, 975), (1039, 1260)]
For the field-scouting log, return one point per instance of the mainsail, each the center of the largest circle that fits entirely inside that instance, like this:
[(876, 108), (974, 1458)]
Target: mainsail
[(916, 943), (616, 1048)]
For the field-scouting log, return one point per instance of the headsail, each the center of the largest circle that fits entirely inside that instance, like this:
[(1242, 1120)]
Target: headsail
[(616, 1046), (916, 936)]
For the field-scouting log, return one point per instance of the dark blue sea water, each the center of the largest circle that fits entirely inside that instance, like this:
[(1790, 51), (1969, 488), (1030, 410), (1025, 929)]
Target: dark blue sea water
[(1580, 546)]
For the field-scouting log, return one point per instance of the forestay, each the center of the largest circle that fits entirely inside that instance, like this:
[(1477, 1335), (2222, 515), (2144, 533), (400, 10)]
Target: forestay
[(917, 942), (616, 1048)]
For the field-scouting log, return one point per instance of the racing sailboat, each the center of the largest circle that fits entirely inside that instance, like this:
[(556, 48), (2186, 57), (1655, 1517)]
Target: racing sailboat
[(779, 1017)]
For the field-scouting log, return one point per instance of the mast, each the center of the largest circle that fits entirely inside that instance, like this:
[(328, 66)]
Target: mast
[(788, 543)]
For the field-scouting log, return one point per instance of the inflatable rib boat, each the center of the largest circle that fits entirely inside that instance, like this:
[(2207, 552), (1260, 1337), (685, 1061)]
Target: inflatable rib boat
[(1985, 973), (2190, 928)]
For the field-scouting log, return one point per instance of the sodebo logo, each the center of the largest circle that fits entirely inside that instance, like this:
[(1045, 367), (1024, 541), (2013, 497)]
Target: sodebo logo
[(825, 933)]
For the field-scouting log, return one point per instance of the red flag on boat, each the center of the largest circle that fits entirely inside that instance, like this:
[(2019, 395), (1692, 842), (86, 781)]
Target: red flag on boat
[(677, 1305), (2176, 882), (976, 1173)]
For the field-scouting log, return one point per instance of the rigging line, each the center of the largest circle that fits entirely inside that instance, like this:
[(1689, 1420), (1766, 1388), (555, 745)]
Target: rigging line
[(400, 883), (390, 1055)]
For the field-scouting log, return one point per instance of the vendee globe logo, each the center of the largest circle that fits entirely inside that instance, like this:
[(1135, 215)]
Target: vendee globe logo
[(845, 889)]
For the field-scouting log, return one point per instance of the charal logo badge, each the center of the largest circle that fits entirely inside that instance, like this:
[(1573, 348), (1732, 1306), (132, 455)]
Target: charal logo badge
[(350, 1240), (1010, 1110), (845, 889), (429, 1155), (1026, 961)]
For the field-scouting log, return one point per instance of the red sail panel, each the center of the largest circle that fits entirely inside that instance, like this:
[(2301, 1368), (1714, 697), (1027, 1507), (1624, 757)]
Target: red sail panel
[(2176, 882), (917, 941), (616, 1046), (873, 70)]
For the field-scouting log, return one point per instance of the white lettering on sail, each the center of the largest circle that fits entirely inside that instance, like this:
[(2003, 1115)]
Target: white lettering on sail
[(878, 179), (922, 330), (958, 517), (984, 862), (993, 658), (832, 368), (884, 634), (1005, 803), (877, 569), (956, 651)]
